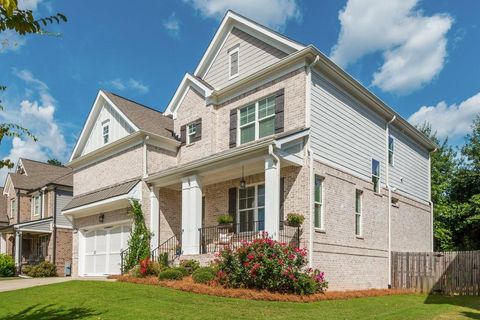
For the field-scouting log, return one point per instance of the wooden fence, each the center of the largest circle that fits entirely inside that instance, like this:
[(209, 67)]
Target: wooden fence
[(437, 272)]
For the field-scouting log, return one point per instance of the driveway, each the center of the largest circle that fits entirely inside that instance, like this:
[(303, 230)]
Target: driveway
[(9, 285)]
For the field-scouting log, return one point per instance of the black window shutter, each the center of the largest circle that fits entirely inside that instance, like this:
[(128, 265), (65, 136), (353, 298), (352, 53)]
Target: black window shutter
[(233, 128), (279, 114), (183, 134), (232, 204), (198, 133), (282, 200)]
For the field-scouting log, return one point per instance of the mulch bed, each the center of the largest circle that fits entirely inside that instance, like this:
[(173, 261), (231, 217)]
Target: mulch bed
[(213, 289)]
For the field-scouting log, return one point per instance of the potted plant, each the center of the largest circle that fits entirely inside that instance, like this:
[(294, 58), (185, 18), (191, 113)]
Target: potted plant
[(295, 219), (224, 219)]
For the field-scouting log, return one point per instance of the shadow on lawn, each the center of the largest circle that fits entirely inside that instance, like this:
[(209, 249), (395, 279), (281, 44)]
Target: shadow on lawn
[(50, 312), (472, 302)]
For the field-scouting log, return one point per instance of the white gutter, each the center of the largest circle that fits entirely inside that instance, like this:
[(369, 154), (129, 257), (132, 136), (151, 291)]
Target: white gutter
[(387, 180), (145, 163), (311, 218), (430, 203), (308, 94)]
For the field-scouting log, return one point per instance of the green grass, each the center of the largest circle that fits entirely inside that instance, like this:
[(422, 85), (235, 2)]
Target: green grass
[(115, 300)]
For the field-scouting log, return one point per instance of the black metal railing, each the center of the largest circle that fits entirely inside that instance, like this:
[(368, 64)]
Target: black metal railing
[(167, 252), (232, 235), (123, 259)]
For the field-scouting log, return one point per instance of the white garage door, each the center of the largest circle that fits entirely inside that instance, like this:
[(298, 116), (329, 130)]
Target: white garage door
[(102, 249)]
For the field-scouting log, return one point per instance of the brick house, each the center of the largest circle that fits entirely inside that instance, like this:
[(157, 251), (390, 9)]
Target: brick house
[(265, 126), (36, 230)]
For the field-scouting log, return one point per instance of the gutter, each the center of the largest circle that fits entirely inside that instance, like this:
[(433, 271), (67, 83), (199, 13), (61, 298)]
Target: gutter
[(54, 253), (389, 188), (430, 196), (311, 218)]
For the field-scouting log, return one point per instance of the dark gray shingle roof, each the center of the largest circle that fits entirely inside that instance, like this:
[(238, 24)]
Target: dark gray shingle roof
[(37, 174)]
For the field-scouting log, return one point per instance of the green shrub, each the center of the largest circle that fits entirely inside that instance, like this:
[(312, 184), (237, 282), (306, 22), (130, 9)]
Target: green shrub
[(203, 275), (163, 260), (7, 266), (225, 219), (183, 270), (271, 265), (191, 265), (41, 270), (295, 219), (170, 274)]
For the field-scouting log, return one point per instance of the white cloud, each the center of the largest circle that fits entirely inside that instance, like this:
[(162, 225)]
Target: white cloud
[(453, 121), (37, 113), (413, 45), (272, 13), (127, 85), (172, 24), (10, 41), (29, 4)]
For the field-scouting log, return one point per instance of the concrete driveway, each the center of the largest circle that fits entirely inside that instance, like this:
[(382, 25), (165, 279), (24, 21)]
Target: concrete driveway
[(9, 285)]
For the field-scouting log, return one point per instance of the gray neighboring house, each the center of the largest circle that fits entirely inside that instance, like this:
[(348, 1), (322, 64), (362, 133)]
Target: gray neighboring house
[(36, 230), (264, 126)]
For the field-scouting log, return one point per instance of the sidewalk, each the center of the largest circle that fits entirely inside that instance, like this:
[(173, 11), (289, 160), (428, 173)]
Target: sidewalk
[(9, 285)]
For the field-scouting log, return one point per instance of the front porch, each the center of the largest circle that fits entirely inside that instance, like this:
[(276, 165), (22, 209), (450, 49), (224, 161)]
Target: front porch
[(257, 189)]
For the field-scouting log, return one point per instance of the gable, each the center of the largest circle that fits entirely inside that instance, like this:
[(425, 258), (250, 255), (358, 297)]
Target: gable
[(118, 128), (253, 55)]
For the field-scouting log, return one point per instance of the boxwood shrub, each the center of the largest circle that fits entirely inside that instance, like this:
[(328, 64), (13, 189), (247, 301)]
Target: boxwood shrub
[(41, 270), (190, 265), (203, 275), (170, 274), (7, 266)]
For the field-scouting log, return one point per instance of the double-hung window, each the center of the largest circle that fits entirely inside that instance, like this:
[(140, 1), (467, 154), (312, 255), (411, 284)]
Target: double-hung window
[(13, 207), (233, 65), (318, 203), (391, 150), (191, 132), (36, 205), (257, 120), (376, 175), (106, 133), (358, 212), (251, 208)]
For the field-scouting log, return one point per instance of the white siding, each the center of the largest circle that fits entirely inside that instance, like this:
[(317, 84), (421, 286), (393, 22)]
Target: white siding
[(344, 131), (118, 128), (411, 163), (254, 55)]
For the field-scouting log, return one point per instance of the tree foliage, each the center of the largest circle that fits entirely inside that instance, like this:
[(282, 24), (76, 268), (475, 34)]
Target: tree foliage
[(139, 241), (54, 162), (456, 192), (22, 22)]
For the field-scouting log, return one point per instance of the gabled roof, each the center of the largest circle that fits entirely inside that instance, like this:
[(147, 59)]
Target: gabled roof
[(138, 116), (233, 19), (36, 174)]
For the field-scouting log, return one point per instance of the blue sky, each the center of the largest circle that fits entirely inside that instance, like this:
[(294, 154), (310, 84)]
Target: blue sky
[(412, 54)]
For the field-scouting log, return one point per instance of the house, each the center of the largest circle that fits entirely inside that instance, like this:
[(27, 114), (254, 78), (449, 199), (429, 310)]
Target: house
[(264, 126), (36, 230)]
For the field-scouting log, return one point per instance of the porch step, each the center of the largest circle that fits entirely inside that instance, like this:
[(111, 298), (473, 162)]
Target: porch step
[(204, 259)]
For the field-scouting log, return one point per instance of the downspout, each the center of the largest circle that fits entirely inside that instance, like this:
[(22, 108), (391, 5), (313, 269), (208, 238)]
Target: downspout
[(145, 168), (308, 101), (42, 207), (387, 178), (54, 253), (430, 202), (18, 206)]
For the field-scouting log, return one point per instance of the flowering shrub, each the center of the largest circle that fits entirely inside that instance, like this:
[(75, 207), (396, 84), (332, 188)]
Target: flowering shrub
[(268, 264), (147, 267)]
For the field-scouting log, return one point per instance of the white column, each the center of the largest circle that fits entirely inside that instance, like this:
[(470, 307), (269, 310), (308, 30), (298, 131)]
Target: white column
[(154, 217), (191, 214), (272, 197), (18, 249), (3, 244)]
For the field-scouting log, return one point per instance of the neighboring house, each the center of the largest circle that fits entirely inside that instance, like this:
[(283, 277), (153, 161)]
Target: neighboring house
[(3, 211), (35, 195), (265, 126)]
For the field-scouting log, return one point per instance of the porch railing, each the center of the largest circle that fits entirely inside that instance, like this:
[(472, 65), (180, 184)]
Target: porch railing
[(123, 259), (217, 238), (167, 252)]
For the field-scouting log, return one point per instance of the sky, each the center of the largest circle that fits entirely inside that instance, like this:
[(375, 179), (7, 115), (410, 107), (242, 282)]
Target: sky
[(420, 57)]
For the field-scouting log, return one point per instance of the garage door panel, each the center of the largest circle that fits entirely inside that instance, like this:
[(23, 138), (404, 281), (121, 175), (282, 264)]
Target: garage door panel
[(101, 242)]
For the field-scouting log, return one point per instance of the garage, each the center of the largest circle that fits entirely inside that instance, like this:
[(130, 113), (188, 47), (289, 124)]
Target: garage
[(101, 249)]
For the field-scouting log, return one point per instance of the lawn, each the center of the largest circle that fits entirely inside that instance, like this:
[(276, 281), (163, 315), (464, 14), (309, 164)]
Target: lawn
[(115, 300)]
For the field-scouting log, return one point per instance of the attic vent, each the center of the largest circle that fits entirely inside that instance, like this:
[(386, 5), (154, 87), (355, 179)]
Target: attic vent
[(233, 53)]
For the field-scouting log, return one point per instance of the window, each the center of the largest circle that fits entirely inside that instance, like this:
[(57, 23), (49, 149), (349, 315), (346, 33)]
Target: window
[(358, 212), (106, 133), (391, 149), (318, 202), (36, 205), (191, 132), (257, 120), (233, 53), (376, 175), (251, 208), (42, 246), (13, 207)]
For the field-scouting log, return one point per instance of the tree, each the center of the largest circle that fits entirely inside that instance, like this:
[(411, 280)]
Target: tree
[(139, 241), (23, 22), (54, 162)]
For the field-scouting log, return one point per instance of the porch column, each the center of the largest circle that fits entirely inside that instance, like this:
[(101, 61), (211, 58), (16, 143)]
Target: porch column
[(191, 214), (154, 217), (272, 197), (18, 250), (3, 244)]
